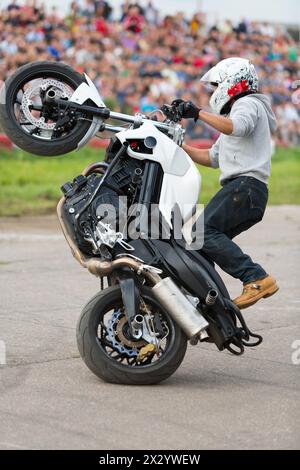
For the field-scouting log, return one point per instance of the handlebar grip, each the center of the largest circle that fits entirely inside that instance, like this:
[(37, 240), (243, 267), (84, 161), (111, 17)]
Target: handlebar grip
[(171, 112)]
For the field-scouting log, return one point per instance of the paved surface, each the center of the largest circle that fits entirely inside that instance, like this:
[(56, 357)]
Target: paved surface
[(49, 399)]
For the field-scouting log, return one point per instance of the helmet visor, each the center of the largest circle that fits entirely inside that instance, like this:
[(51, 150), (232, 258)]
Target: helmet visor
[(207, 77), (214, 76)]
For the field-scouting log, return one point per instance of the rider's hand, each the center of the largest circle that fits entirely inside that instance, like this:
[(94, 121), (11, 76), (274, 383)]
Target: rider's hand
[(187, 109)]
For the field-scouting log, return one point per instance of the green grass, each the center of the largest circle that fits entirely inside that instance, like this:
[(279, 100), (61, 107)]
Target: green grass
[(31, 185)]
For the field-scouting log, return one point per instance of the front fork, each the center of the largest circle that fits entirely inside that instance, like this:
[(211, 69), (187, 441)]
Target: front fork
[(131, 301)]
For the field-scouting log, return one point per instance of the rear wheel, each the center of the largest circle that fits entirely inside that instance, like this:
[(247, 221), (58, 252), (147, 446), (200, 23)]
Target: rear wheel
[(110, 352), (29, 122)]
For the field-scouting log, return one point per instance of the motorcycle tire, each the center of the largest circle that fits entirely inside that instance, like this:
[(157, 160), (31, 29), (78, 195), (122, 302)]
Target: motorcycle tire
[(8, 119), (109, 369)]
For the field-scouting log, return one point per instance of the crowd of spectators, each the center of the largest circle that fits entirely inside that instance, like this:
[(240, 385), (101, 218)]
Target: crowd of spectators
[(141, 60)]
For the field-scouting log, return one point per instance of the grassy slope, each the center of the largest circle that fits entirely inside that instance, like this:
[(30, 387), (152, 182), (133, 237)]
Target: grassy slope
[(31, 185)]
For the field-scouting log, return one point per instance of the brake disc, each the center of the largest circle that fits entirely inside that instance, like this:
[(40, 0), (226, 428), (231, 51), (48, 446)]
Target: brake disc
[(115, 329), (63, 91)]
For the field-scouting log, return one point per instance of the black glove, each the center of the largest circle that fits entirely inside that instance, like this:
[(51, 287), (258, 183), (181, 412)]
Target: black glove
[(187, 109)]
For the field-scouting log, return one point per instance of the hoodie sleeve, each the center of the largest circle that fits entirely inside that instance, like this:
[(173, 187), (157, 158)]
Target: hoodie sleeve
[(244, 116), (214, 154)]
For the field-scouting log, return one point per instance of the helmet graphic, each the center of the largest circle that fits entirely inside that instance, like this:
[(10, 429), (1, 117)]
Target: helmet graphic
[(232, 77)]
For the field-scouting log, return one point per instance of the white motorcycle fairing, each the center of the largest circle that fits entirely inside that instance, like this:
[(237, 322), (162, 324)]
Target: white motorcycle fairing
[(181, 182)]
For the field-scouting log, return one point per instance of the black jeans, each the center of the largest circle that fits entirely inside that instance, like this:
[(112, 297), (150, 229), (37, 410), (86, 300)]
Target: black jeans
[(240, 204)]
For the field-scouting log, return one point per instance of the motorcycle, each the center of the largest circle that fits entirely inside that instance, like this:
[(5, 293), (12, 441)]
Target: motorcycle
[(156, 293)]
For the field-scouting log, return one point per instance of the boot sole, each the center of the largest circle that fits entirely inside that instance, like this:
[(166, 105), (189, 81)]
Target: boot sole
[(271, 291)]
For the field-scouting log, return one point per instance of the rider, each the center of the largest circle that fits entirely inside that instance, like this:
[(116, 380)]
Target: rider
[(245, 121)]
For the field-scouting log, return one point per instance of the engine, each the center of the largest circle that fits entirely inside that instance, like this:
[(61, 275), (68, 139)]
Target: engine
[(96, 206)]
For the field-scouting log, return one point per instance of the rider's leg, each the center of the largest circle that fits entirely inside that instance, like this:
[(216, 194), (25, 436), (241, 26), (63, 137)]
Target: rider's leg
[(235, 208)]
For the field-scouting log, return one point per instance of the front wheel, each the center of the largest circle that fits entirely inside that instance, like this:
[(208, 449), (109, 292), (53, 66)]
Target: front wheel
[(26, 118), (108, 350)]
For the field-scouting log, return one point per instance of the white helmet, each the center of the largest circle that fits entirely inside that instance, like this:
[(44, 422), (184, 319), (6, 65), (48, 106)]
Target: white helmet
[(233, 77)]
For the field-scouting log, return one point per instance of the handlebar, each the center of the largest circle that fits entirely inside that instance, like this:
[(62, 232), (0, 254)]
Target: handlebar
[(105, 113), (171, 128), (138, 119)]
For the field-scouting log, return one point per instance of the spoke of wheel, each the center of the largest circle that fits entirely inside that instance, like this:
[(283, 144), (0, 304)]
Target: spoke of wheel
[(117, 356), (148, 360), (131, 361), (109, 348), (27, 123), (103, 333), (33, 131), (103, 326), (107, 344)]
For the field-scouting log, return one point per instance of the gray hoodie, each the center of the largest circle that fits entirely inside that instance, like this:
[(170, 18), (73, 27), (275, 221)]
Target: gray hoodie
[(247, 151)]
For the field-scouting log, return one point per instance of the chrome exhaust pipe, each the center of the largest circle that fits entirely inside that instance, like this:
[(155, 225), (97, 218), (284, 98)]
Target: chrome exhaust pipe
[(211, 297), (180, 308)]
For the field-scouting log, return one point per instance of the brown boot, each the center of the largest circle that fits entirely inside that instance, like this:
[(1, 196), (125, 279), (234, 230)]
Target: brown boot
[(256, 290)]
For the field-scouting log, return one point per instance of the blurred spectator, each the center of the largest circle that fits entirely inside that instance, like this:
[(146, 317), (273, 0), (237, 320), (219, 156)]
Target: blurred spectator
[(103, 9), (289, 124), (134, 21), (141, 61), (151, 14)]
